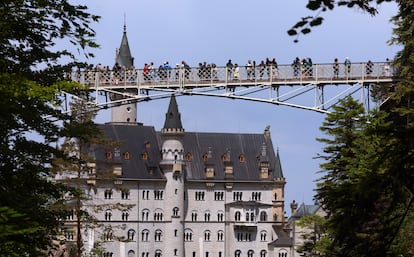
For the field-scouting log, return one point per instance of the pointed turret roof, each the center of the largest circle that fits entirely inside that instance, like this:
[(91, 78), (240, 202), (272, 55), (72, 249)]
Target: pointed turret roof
[(124, 57), (173, 117)]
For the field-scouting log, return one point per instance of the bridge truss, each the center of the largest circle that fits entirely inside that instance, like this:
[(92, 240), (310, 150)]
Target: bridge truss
[(316, 87)]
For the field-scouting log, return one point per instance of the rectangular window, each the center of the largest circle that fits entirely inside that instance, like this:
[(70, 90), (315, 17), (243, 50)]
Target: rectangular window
[(145, 194), (218, 196), (237, 196), (158, 194), (256, 196), (125, 195), (199, 196)]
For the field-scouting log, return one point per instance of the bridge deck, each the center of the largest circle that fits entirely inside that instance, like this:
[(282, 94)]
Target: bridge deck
[(380, 72), (286, 85)]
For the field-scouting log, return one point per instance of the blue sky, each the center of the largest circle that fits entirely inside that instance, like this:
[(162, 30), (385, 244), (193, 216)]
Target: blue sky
[(217, 30)]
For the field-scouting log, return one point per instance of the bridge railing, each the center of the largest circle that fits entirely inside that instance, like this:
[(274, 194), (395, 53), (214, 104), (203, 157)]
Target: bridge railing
[(241, 75)]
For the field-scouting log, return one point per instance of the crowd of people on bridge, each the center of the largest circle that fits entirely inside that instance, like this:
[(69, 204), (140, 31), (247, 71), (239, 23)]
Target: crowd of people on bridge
[(265, 69)]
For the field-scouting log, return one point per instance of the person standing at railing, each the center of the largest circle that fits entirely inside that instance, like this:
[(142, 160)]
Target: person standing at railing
[(177, 71), (347, 64), (229, 66), (268, 67), (368, 68), (236, 72), (153, 74), (387, 68), (262, 67), (146, 72), (115, 70), (296, 67), (335, 67), (254, 70), (214, 71), (249, 69), (187, 69), (275, 72), (167, 69), (310, 66)]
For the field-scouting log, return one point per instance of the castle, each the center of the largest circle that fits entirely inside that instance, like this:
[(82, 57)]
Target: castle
[(179, 193)]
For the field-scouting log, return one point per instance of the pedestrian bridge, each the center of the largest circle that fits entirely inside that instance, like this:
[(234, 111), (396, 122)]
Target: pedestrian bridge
[(315, 87)]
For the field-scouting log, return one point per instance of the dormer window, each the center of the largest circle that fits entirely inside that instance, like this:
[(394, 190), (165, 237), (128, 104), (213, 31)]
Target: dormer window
[(147, 144), (127, 156), (224, 157), (188, 157), (242, 158), (205, 157), (108, 155), (144, 156)]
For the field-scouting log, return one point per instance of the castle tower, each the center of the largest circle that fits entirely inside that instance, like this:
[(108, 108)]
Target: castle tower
[(125, 112), (172, 164)]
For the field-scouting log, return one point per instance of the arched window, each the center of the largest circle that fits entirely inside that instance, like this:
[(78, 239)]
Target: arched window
[(145, 214), (250, 253), (131, 253), (127, 156), (145, 235), (263, 216), (263, 253), (237, 216), (158, 253), (283, 253), (220, 235), (237, 253), (263, 235), (131, 234), (125, 215), (220, 216), (194, 216), (108, 235), (108, 215), (158, 215), (175, 211), (207, 216), (207, 235), (188, 235), (144, 156), (158, 235), (188, 157)]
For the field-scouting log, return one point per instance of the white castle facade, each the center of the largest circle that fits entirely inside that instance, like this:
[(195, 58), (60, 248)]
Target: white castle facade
[(177, 193)]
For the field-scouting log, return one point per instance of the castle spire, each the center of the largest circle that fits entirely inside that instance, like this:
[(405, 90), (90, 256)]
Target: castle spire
[(173, 117), (124, 57)]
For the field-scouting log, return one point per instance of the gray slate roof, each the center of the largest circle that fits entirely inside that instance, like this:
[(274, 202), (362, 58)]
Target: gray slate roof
[(283, 237), (250, 145), (138, 139)]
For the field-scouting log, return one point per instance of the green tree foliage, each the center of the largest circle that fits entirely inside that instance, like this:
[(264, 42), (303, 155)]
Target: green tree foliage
[(30, 77), (361, 190), (315, 238), (79, 167), (342, 127), (374, 213)]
